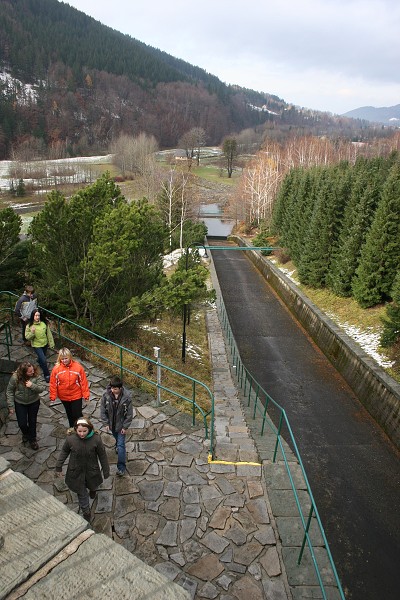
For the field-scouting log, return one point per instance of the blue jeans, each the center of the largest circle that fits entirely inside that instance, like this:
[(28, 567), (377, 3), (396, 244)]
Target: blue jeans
[(120, 444), (42, 360)]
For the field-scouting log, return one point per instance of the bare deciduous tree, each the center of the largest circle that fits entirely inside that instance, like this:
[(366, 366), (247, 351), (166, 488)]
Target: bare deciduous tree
[(191, 142)]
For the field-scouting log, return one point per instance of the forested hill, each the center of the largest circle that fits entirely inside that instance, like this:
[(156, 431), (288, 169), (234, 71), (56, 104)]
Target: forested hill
[(91, 82), (72, 83)]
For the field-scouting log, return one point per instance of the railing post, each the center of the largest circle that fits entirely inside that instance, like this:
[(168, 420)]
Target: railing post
[(277, 437), (194, 404), (157, 356), (120, 363)]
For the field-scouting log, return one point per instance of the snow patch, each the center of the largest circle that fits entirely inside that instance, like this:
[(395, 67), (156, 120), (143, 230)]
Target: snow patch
[(368, 339)]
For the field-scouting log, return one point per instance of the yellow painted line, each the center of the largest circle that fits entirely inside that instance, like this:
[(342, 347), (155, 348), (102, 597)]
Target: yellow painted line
[(226, 462)]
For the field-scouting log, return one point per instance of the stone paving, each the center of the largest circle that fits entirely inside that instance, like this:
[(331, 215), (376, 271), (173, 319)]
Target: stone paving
[(205, 526)]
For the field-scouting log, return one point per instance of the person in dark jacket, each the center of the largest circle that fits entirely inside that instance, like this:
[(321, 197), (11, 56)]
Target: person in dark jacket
[(116, 413), (85, 448), (22, 395), (24, 307)]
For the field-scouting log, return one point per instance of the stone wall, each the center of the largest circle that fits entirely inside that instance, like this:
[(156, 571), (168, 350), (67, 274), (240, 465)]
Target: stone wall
[(379, 393)]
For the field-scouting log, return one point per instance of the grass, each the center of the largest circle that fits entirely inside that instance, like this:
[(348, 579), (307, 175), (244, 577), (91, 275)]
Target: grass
[(346, 312), (166, 334), (215, 174)]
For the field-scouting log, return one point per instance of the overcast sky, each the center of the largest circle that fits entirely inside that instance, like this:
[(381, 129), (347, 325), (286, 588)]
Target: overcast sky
[(329, 55)]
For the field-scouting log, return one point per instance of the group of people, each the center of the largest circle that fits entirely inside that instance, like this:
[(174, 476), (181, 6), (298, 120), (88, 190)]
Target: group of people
[(36, 330), (83, 444), (68, 382)]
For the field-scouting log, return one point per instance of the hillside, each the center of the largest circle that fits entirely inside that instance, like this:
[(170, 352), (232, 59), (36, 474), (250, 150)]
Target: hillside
[(389, 115), (71, 85)]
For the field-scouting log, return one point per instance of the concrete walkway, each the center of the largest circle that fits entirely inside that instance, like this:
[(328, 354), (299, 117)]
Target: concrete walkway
[(206, 526)]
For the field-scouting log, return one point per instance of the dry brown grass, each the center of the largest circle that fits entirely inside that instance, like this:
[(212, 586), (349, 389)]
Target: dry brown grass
[(166, 334)]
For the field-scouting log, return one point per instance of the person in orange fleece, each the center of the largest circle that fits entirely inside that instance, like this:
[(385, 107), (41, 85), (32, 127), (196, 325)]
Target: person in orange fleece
[(69, 383)]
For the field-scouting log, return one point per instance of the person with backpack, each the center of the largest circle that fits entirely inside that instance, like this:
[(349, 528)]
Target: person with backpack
[(24, 307), (116, 412), (39, 334)]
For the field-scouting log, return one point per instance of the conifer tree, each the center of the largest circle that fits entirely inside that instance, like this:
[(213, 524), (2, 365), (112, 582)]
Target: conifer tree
[(325, 222), (301, 215), (284, 204), (380, 255), (367, 179)]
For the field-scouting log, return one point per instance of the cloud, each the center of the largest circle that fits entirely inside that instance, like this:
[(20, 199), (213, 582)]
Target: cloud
[(324, 54)]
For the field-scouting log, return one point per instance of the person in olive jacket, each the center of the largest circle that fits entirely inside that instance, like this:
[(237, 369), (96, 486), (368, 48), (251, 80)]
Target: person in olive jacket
[(22, 395), (85, 448)]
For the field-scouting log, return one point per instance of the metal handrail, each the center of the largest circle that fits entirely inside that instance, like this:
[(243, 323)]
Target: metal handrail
[(61, 330), (262, 401)]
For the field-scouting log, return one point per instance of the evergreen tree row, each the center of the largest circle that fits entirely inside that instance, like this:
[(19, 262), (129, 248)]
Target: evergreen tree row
[(341, 226)]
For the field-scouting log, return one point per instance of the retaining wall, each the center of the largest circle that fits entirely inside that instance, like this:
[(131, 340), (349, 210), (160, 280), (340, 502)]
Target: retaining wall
[(379, 393)]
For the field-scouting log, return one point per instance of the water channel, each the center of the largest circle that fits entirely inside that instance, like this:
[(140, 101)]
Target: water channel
[(217, 225)]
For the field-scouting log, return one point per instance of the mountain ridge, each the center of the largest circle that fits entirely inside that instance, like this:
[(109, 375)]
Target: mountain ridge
[(89, 83), (388, 115)]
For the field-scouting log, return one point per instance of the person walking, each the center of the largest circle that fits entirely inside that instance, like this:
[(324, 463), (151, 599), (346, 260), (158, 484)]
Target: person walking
[(39, 334), (69, 383), (85, 448), (22, 394), (24, 307), (116, 412)]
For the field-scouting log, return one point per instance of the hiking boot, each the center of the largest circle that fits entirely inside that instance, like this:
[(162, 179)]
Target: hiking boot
[(34, 445), (25, 439), (120, 473), (87, 516)]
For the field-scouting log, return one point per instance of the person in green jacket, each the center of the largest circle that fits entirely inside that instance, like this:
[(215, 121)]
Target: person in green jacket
[(39, 334), (22, 395)]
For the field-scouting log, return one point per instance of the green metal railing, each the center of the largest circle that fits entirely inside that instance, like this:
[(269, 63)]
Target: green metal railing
[(63, 329), (259, 401)]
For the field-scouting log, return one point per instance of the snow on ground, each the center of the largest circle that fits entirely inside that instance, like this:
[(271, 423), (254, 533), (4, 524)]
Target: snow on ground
[(191, 349), (52, 168), (172, 258), (367, 339)]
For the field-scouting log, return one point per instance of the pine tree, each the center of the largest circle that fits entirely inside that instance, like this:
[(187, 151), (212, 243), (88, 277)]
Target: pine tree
[(325, 222), (368, 177), (299, 218), (284, 204), (380, 255)]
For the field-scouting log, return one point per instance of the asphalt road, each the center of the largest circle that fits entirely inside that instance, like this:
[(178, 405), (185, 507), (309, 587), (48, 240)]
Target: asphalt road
[(353, 468)]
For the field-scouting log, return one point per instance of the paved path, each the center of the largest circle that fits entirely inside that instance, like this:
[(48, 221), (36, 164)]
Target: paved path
[(207, 526), (353, 469)]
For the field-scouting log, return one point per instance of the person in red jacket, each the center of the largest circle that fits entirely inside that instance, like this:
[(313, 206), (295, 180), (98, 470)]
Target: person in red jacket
[(69, 383)]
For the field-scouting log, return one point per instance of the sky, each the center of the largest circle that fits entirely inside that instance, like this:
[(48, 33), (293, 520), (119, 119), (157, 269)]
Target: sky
[(327, 55)]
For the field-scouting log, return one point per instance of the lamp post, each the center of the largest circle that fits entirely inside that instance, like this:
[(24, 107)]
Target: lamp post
[(195, 245), (185, 306)]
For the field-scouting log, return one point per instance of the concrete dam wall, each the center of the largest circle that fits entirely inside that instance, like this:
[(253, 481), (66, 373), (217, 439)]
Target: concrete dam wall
[(379, 393)]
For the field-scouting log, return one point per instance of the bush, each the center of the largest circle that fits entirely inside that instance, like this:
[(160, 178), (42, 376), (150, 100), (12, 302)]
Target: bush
[(282, 256), (263, 239)]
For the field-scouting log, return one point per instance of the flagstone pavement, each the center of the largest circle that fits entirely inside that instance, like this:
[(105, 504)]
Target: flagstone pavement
[(205, 525)]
